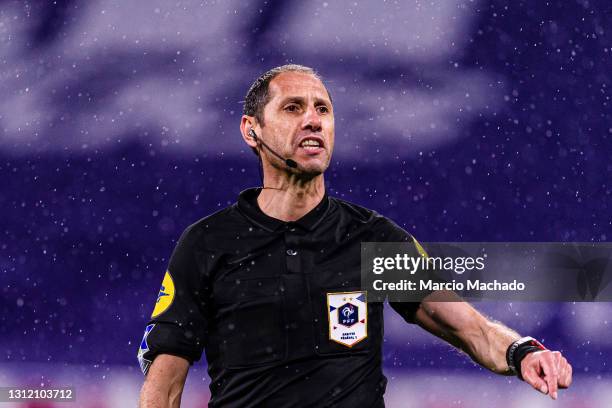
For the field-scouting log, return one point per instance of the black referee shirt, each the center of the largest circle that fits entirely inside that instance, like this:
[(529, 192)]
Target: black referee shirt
[(255, 293)]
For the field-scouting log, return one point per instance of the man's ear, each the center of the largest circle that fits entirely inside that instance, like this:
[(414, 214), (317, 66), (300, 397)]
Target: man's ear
[(246, 124)]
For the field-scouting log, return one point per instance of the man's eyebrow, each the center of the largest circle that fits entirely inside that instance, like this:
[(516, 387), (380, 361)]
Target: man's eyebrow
[(297, 99), (320, 101), (300, 100)]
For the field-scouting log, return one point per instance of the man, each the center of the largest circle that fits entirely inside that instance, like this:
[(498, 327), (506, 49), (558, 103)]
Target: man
[(263, 285)]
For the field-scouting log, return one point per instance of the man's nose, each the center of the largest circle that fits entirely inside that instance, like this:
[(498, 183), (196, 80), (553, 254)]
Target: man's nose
[(312, 120)]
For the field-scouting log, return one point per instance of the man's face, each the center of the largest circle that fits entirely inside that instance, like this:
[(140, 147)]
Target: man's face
[(299, 122)]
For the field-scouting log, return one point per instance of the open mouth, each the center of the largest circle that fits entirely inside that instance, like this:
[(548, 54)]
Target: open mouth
[(311, 144)]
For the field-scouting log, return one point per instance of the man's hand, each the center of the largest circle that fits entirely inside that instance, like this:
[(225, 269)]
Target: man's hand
[(546, 371), (487, 342)]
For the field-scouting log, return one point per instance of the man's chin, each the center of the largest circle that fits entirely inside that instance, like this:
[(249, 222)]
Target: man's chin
[(319, 164), (310, 170)]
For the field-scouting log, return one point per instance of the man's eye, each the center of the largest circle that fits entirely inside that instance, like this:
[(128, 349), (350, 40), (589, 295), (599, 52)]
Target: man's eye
[(323, 109), (291, 108)]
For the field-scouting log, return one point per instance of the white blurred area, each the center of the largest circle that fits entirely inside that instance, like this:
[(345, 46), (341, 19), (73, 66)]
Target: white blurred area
[(142, 69), (437, 389), (430, 97), (167, 74), (590, 323), (119, 386)]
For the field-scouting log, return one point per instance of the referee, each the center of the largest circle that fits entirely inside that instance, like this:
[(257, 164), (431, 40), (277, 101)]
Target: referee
[(270, 289)]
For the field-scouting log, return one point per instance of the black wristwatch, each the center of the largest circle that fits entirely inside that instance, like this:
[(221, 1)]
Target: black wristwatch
[(518, 350)]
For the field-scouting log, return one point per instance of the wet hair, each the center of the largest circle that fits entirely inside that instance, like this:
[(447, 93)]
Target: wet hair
[(258, 96)]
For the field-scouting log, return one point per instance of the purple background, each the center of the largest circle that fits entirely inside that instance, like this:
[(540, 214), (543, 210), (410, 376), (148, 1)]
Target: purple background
[(461, 121)]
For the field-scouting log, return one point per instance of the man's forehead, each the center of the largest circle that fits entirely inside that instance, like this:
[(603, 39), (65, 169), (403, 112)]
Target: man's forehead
[(296, 84)]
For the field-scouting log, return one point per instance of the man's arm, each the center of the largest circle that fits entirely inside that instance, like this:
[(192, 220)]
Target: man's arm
[(164, 383), (486, 342)]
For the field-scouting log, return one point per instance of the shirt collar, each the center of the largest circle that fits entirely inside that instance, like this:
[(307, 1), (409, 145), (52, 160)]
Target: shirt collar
[(247, 204)]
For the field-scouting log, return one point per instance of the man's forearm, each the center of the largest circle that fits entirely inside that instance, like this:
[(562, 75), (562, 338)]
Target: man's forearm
[(153, 396), (486, 342), (489, 349), (458, 323), (164, 383)]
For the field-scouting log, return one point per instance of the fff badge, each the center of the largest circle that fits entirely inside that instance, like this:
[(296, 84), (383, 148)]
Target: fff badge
[(348, 317)]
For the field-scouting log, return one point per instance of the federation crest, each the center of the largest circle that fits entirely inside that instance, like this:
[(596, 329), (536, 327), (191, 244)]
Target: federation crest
[(165, 295), (348, 317)]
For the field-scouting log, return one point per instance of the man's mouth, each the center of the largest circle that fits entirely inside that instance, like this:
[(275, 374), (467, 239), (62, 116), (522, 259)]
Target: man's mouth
[(311, 144)]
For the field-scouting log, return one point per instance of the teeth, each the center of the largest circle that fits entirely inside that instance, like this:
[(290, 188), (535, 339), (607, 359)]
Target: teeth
[(307, 143)]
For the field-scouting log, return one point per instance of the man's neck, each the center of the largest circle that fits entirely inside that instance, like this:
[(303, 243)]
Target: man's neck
[(290, 201)]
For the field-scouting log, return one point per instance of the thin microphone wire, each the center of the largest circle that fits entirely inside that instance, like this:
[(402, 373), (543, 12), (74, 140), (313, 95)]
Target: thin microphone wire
[(260, 170), (288, 162)]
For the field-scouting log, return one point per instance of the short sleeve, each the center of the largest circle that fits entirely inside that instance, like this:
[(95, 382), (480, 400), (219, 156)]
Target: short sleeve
[(178, 324), (395, 233)]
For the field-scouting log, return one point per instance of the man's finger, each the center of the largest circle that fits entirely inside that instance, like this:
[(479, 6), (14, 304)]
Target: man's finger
[(561, 365), (557, 358), (565, 380), (532, 378), (550, 374), (564, 370)]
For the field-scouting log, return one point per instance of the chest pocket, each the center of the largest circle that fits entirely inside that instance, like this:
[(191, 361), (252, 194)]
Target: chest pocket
[(249, 316), (346, 322)]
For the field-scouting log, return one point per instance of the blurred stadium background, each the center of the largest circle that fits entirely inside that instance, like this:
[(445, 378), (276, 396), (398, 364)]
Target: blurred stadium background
[(461, 120)]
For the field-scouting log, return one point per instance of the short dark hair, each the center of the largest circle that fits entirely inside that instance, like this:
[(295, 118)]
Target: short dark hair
[(259, 96)]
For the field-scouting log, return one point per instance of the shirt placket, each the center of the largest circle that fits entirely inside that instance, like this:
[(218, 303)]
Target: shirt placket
[(293, 252)]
